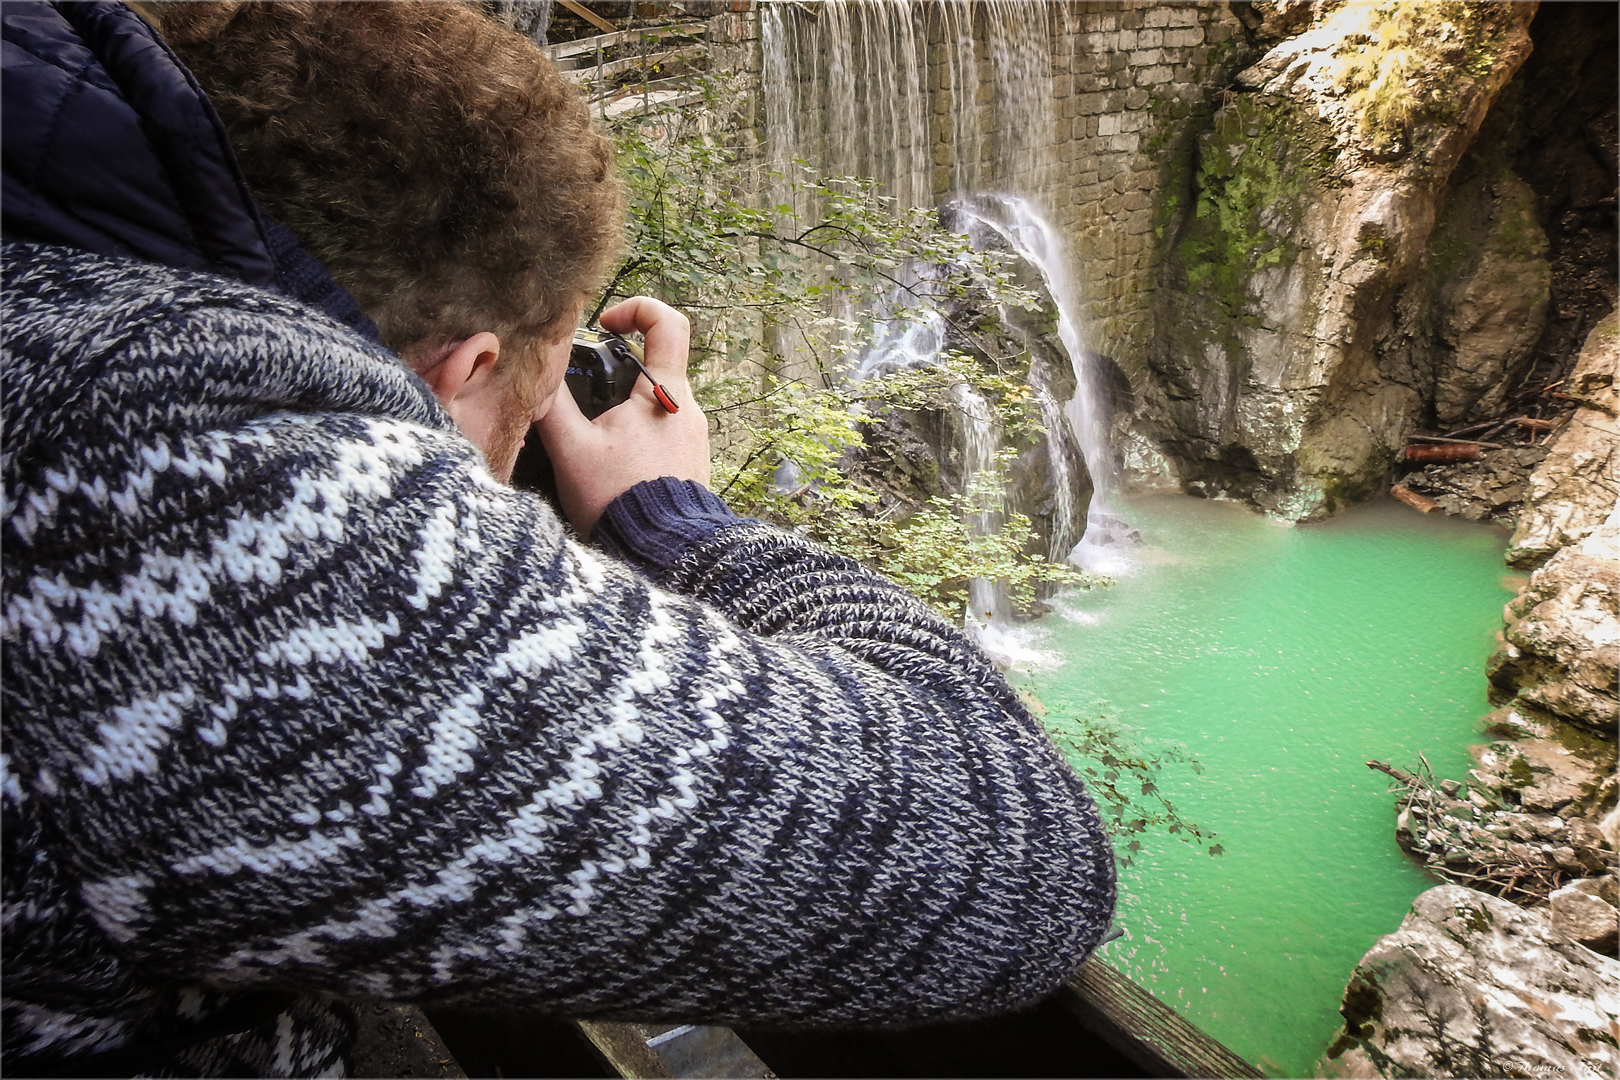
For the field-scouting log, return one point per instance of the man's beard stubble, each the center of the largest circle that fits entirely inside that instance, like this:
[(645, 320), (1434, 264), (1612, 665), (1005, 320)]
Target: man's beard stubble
[(512, 426)]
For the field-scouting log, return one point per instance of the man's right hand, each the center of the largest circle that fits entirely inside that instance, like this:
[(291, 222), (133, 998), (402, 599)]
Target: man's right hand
[(596, 461)]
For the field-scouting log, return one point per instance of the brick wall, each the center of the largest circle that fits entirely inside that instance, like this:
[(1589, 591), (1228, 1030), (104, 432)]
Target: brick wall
[(1131, 82)]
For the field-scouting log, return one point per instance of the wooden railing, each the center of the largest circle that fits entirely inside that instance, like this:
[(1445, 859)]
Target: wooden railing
[(599, 62), (1107, 1005), (1156, 1037)]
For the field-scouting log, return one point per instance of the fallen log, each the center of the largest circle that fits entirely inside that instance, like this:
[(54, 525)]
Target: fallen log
[(1421, 503), (1465, 442), (1395, 773), (1446, 453)]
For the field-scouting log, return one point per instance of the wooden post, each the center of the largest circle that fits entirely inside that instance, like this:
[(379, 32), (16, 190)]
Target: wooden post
[(588, 15)]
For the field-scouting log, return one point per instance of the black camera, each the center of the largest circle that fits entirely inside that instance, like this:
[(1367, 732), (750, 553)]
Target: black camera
[(602, 369)]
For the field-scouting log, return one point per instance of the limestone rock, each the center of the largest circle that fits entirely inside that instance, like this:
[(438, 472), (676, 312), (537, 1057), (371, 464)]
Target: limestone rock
[(1473, 986), (1489, 278), (1269, 20), (1302, 227), (1573, 490), (1605, 888), (1561, 650), (1589, 919), (1490, 488)]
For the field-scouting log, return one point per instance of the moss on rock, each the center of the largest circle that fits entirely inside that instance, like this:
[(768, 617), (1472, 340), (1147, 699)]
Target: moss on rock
[(1256, 167)]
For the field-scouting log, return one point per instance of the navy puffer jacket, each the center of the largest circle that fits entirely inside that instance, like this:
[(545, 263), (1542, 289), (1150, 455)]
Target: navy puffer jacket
[(111, 147)]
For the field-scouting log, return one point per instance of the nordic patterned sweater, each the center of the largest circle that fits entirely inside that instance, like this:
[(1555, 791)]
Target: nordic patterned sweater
[(298, 698)]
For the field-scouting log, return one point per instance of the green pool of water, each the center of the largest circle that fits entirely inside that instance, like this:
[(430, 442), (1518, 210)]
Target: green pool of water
[(1284, 659)]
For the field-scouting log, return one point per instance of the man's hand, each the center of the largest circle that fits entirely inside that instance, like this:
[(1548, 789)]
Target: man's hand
[(598, 460)]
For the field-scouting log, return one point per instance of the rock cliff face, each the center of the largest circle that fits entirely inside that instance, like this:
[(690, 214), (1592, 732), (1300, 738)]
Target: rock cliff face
[(1282, 371), (1333, 280), (1474, 986), (1560, 652), (1537, 820), (1472, 318), (1577, 486)]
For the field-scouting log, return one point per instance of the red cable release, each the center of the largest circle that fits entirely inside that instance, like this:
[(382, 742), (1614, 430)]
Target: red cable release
[(658, 391)]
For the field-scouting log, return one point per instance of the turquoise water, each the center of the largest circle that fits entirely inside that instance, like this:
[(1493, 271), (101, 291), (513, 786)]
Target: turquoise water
[(1284, 659)]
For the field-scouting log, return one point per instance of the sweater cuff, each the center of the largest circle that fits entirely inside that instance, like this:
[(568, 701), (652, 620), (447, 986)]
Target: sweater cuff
[(653, 523)]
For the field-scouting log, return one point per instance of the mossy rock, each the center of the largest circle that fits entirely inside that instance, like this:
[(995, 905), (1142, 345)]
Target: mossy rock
[(1258, 165)]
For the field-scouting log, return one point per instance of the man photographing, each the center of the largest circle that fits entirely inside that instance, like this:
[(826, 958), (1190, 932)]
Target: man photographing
[(453, 182), (303, 706)]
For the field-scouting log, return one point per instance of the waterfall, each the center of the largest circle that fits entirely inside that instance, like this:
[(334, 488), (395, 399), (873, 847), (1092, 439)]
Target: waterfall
[(989, 617), (941, 101), (905, 92), (1065, 534), (1104, 546)]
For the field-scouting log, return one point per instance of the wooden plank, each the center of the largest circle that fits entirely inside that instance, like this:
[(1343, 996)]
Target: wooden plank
[(399, 1040), (563, 50), (660, 1050), (589, 16), (1145, 1029), (705, 1052), (607, 108), (624, 1049), (631, 63)]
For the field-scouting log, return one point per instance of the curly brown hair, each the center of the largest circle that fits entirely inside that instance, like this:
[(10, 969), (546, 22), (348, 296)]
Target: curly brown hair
[(436, 162)]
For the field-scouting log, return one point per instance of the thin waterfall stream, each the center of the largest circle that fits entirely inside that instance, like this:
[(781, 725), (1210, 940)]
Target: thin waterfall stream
[(1104, 546)]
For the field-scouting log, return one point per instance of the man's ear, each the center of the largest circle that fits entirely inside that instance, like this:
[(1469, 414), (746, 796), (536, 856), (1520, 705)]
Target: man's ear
[(460, 370), (462, 376)]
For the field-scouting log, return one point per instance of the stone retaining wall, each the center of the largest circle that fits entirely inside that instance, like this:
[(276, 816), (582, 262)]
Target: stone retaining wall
[(1128, 78)]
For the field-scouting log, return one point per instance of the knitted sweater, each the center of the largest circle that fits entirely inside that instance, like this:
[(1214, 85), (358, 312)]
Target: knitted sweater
[(297, 697)]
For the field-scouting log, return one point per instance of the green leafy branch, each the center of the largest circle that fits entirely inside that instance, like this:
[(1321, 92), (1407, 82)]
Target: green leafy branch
[(1124, 779)]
